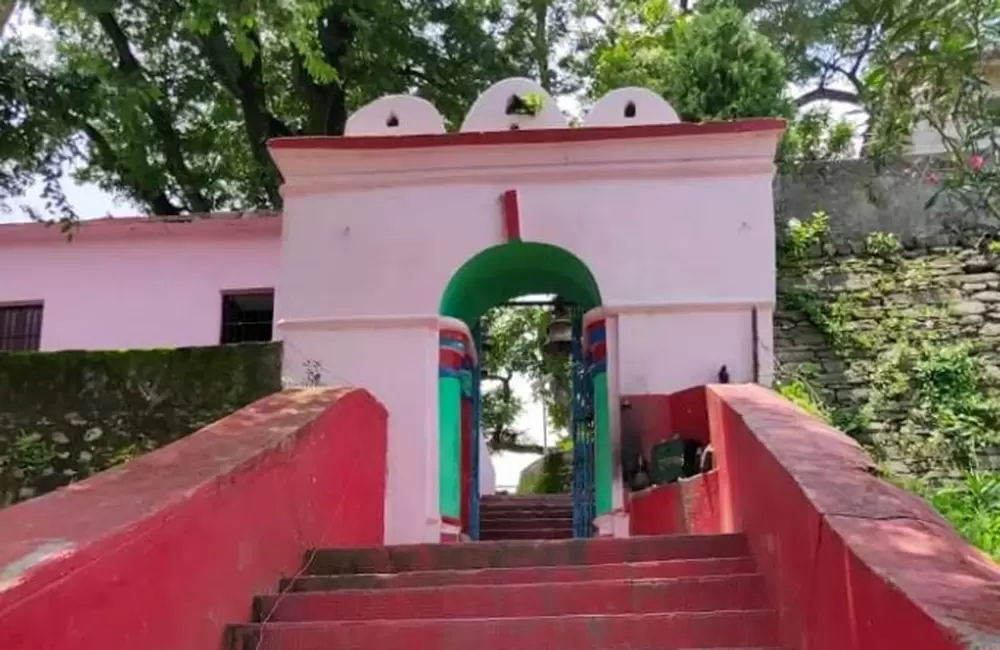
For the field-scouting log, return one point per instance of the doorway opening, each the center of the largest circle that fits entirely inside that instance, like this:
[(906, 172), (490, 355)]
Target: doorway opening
[(542, 336)]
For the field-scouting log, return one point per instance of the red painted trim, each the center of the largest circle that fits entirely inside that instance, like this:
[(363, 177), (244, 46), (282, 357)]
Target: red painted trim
[(164, 550), (599, 352), (511, 216), (527, 136), (449, 537), (450, 358), (454, 333), (214, 224), (458, 335)]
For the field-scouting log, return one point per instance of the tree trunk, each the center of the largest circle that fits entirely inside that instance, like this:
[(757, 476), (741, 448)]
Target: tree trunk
[(541, 44), (6, 11)]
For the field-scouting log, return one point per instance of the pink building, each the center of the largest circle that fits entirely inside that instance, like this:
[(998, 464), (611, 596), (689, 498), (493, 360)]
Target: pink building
[(137, 283)]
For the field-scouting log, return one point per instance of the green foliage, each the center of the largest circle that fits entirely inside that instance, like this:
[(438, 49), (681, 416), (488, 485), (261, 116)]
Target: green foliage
[(937, 396), (798, 389), (67, 415), (883, 245), (827, 44), (552, 477), (971, 505), (170, 104), (516, 336), (953, 418), (30, 454), (814, 136), (937, 412), (803, 240), (933, 70), (708, 65), (707, 83), (530, 104)]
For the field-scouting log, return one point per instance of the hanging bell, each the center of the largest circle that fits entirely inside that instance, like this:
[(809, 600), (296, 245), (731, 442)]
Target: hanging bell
[(559, 338)]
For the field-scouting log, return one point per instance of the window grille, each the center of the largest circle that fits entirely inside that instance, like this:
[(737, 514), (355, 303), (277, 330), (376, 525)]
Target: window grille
[(20, 327), (247, 316)]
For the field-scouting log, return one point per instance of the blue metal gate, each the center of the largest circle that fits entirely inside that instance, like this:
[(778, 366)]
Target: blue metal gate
[(582, 432)]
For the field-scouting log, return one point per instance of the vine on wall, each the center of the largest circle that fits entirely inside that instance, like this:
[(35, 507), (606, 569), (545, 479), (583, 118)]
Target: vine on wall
[(923, 404)]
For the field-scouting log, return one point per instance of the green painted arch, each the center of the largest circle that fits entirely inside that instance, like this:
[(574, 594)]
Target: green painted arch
[(501, 273)]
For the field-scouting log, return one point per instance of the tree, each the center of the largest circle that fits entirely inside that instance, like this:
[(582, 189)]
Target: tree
[(6, 11), (709, 65), (827, 43), (815, 136), (934, 68), (516, 337), (170, 104)]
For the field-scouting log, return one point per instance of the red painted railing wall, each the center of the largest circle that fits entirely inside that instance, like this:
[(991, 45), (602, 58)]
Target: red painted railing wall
[(855, 563), (162, 552)]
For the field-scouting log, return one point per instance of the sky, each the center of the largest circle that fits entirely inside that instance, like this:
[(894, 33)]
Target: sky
[(90, 202)]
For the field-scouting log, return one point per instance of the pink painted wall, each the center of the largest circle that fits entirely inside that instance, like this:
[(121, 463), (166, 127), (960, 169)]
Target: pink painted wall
[(164, 551), (110, 289), (136, 283)]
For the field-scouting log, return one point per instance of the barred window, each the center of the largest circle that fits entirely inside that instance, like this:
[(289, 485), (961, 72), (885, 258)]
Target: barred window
[(20, 327), (247, 316)]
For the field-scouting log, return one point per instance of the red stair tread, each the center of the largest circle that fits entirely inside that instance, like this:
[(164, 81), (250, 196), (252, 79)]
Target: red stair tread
[(664, 631), (520, 498), (526, 575), (526, 533), (737, 592), (481, 555), (509, 522)]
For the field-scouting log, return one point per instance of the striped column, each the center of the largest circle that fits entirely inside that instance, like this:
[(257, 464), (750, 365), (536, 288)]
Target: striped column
[(596, 351), (456, 362)]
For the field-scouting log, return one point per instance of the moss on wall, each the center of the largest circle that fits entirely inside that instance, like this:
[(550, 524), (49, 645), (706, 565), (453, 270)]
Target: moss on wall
[(67, 415), (897, 347)]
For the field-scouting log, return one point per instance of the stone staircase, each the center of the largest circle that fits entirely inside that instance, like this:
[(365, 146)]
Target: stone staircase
[(647, 593), (547, 516)]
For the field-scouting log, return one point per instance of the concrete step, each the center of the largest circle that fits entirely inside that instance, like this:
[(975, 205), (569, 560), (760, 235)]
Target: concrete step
[(493, 534), (664, 631), (524, 511), (527, 498), (596, 598), (525, 575), (514, 522), (510, 554)]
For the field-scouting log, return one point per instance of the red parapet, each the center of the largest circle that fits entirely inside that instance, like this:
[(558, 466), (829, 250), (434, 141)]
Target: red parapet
[(690, 505), (854, 562), (161, 552)]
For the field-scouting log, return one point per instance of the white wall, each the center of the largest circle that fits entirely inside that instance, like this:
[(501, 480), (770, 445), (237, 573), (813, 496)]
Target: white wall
[(398, 364), (678, 227), (487, 473)]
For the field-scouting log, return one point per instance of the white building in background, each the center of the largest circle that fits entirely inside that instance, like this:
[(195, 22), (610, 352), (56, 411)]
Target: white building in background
[(926, 141)]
